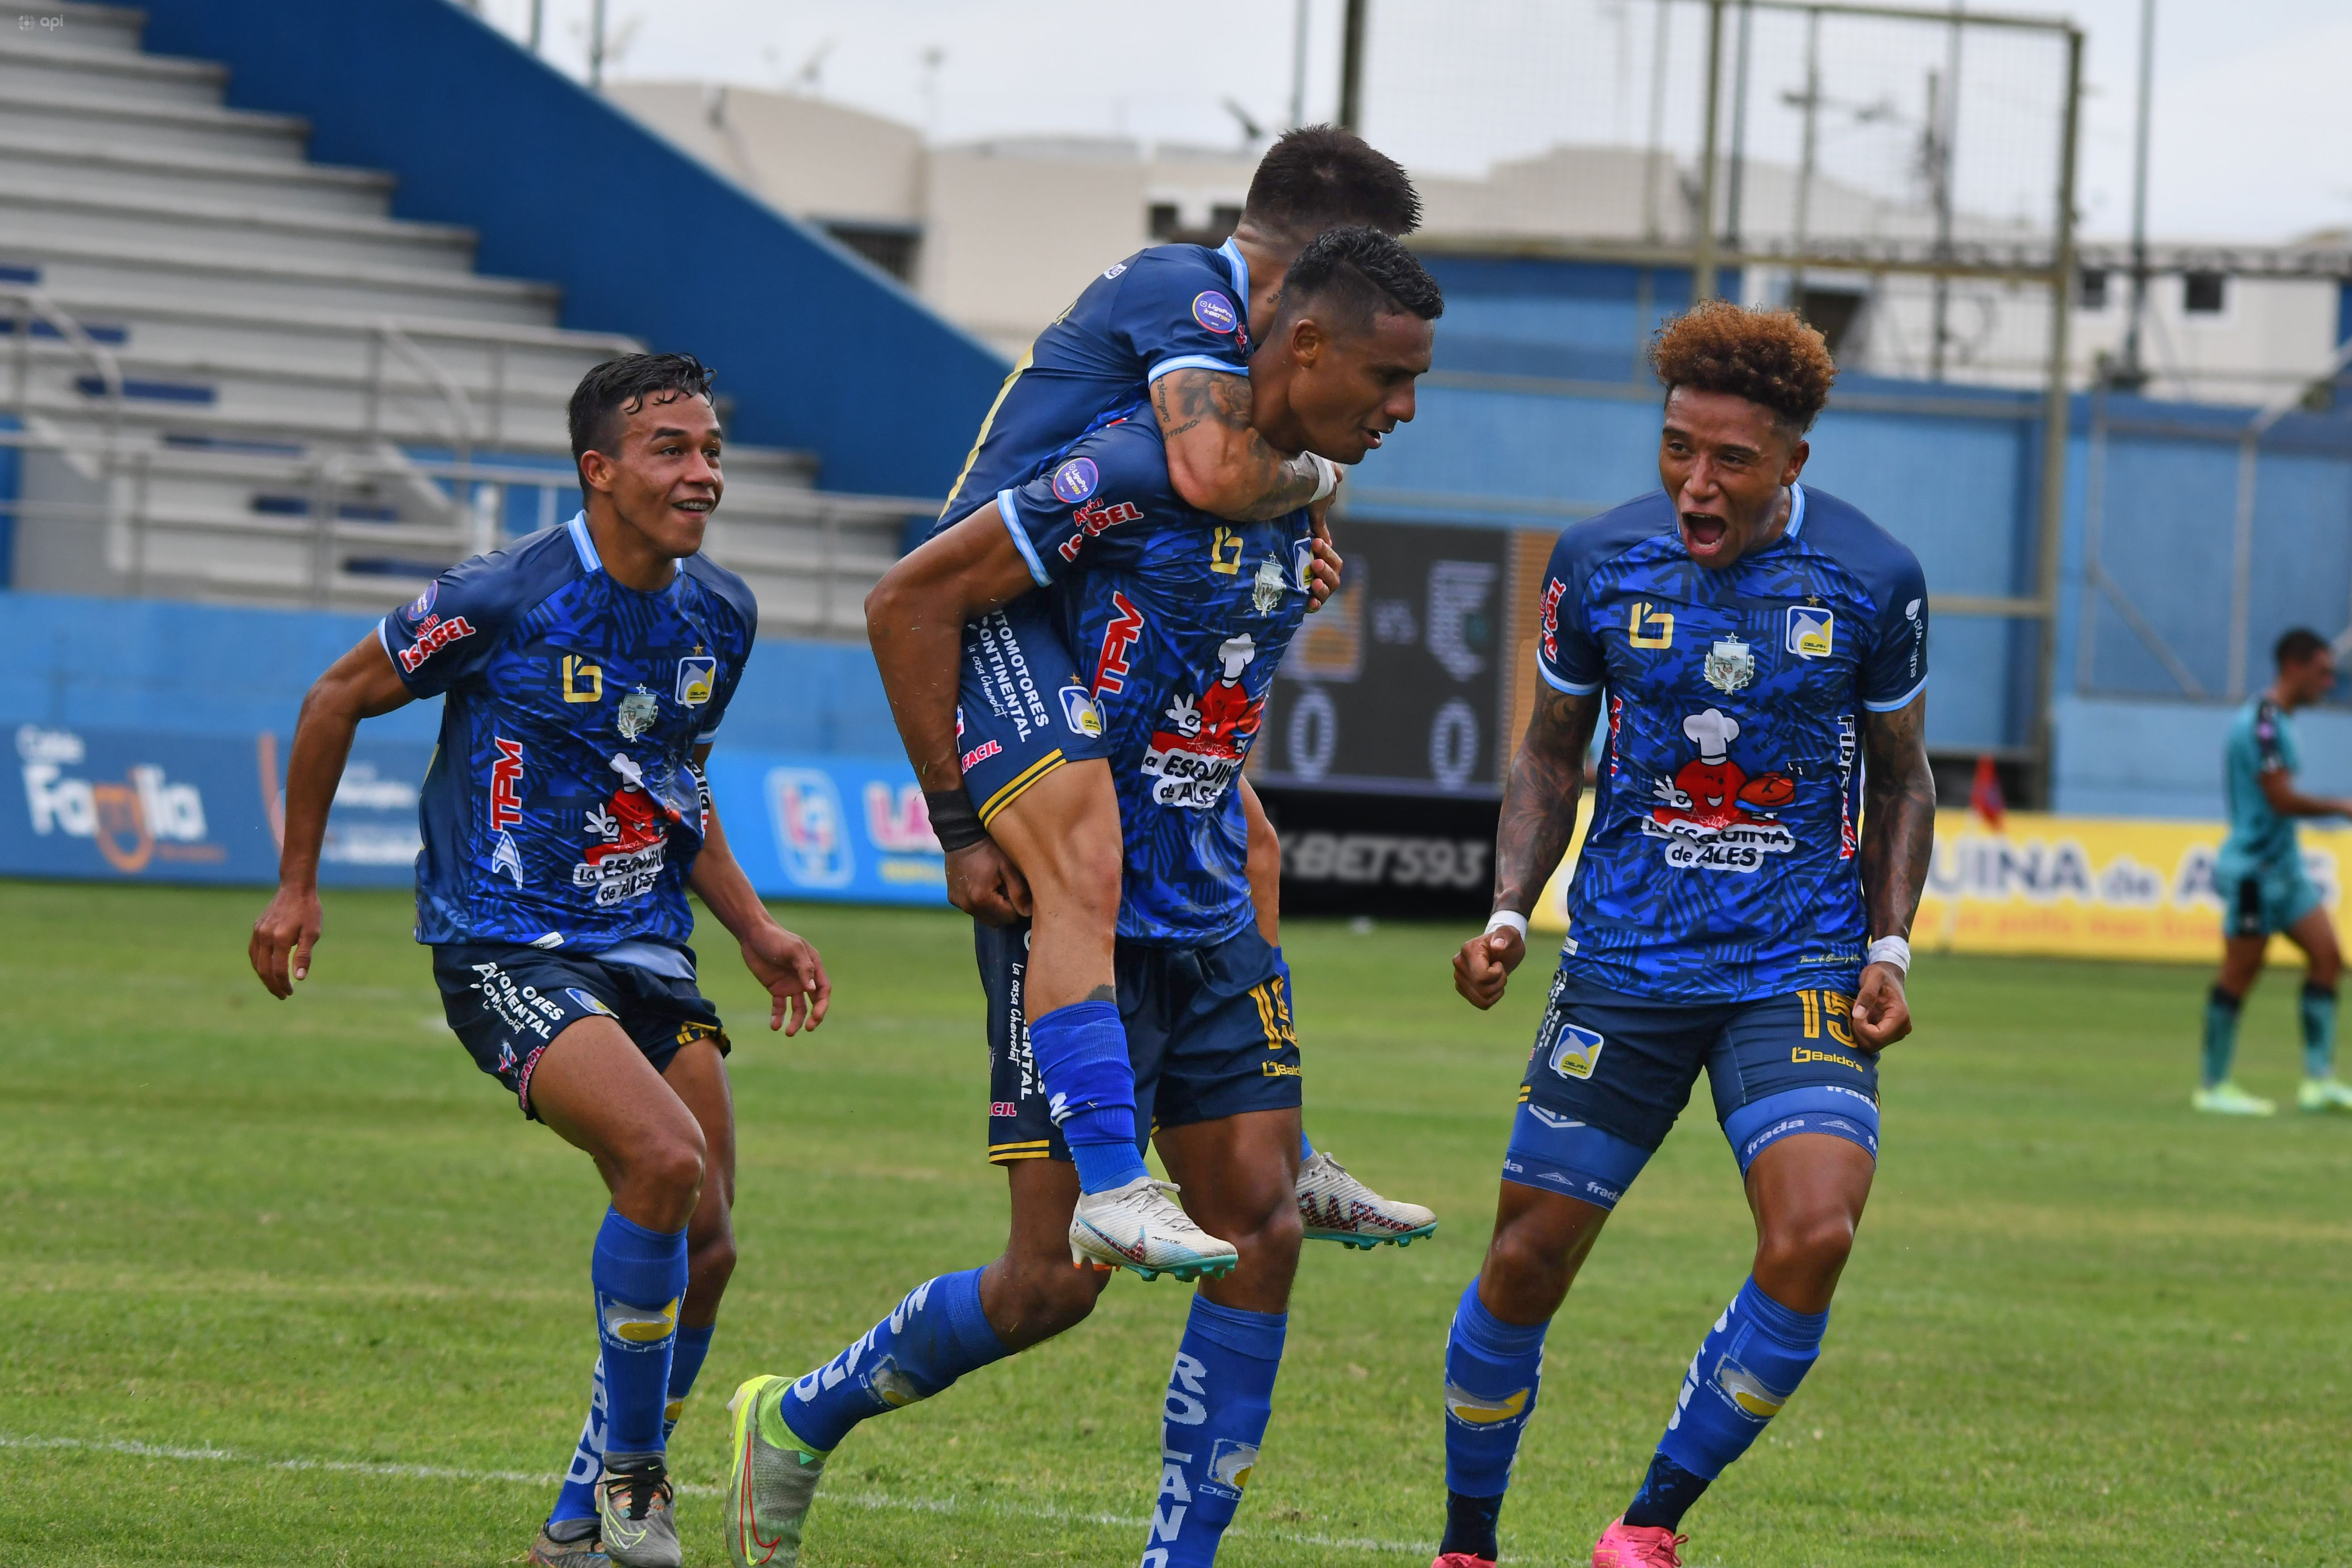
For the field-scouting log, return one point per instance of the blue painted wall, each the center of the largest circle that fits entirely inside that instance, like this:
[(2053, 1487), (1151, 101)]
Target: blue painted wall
[(819, 350)]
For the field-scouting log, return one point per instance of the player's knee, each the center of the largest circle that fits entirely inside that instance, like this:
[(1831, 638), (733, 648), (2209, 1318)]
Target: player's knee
[(1812, 1245), (1051, 1298), (671, 1165), (710, 1260), (1525, 1263)]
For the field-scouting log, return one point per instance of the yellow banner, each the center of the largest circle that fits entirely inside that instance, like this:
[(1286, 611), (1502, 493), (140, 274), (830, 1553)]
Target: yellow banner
[(2078, 887)]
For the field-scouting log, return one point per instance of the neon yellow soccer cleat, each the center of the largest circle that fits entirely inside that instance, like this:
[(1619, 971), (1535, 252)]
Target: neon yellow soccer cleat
[(773, 1481), (2324, 1094), (2229, 1100)]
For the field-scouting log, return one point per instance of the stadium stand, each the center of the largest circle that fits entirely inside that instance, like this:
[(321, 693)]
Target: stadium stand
[(239, 379)]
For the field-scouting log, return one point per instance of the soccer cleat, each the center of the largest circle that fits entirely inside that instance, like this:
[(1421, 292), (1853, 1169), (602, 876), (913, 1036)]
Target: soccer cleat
[(2324, 1094), (1624, 1545), (772, 1482), (1461, 1560), (634, 1517), (549, 1552), (1141, 1227), (2229, 1100), (1335, 1207)]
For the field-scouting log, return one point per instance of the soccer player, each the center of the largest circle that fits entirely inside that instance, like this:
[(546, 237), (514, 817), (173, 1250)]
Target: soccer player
[(585, 670), (2264, 893), (1192, 621), (1023, 804), (1761, 823)]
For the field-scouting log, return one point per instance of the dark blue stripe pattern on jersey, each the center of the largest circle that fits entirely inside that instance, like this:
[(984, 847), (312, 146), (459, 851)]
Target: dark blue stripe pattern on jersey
[(563, 809), (1722, 861), (1178, 620)]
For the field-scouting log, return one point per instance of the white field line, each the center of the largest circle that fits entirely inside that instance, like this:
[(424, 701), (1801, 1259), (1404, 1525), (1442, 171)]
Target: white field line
[(879, 1500)]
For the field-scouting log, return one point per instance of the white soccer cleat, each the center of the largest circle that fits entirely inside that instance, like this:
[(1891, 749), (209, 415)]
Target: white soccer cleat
[(1141, 1227), (1335, 1207)]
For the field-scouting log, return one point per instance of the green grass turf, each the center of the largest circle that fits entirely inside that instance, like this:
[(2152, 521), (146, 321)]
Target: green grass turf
[(2081, 1325)]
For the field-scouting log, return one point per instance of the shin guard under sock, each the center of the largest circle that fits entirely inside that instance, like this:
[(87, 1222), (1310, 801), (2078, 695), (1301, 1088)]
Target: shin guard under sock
[(2318, 1011), (2222, 1011), (930, 1339), (640, 1277), (1081, 1056), (1220, 1395), (1747, 1368), (1493, 1370)]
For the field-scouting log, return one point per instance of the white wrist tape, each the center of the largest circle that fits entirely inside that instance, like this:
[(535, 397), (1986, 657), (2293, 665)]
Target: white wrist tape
[(1326, 476), (1892, 950), (1510, 917)]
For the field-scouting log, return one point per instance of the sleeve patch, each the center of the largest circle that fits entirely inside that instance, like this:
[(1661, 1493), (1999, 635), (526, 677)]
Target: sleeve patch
[(1214, 311)]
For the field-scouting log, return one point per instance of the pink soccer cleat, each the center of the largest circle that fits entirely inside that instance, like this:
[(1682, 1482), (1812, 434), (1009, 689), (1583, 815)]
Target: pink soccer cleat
[(1462, 1560), (1624, 1545)]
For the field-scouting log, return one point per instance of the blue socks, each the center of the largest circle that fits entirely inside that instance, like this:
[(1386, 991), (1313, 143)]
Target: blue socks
[(577, 1499), (640, 1277), (2318, 1011), (2220, 1034), (1306, 1149), (1220, 1394), (1081, 1056), (933, 1337), (1493, 1370), (1747, 1368)]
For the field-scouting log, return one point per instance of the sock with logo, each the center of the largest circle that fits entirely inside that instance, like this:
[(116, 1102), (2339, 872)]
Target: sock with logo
[(1081, 1055), (640, 1275), (1747, 1368), (685, 1367), (930, 1339), (1220, 1395), (1493, 1372), (2318, 1009), (577, 1499), (2222, 1011)]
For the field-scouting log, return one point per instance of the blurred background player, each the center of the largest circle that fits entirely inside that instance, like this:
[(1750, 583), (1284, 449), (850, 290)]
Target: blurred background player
[(1753, 643), (1173, 323), (1204, 1008), (2264, 893), (586, 669)]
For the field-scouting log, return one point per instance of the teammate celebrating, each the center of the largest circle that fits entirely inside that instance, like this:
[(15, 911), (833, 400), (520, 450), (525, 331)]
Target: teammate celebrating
[(1173, 322), (586, 669), (2264, 892), (1751, 642), (1193, 621)]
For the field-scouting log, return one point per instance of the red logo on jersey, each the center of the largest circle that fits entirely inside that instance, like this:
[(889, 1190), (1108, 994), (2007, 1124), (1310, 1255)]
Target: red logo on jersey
[(979, 754), (626, 861), (1199, 751), (1552, 591), (506, 784), (1111, 668), (1714, 814), (1092, 520), (432, 636)]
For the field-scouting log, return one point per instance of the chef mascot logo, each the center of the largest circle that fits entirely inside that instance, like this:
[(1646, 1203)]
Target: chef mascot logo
[(1713, 814), (1199, 749)]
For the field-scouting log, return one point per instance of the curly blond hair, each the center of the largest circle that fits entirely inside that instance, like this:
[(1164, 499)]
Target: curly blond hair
[(1770, 357)]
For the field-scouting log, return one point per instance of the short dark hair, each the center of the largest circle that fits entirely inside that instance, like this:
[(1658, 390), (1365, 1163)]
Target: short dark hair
[(1320, 177), (2297, 646), (1360, 273), (620, 387), (1769, 357)]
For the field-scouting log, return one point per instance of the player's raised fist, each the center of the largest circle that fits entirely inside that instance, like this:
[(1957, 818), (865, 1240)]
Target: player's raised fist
[(1483, 968), (1881, 1013), (283, 937)]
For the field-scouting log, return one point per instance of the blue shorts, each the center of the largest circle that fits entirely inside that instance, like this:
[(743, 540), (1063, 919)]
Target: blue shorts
[(2263, 900), (1208, 1031), (1021, 707), (506, 1004), (1610, 1073)]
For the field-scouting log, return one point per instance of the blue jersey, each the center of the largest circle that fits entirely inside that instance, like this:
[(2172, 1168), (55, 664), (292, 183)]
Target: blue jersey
[(1178, 622), (1721, 861), (562, 807), (1173, 307), (2262, 741)]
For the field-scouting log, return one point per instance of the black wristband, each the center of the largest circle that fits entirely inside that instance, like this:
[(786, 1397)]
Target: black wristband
[(953, 821)]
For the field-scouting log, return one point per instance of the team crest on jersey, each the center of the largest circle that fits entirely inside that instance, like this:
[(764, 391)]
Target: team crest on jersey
[(1269, 588), (1079, 711), (1713, 814), (1214, 311), (637, 713), (1730, 665), (1076, 480), (589, 1002), (1812, 632), (422, 605), (1576, 1051), (697, 674), (1198, 749)]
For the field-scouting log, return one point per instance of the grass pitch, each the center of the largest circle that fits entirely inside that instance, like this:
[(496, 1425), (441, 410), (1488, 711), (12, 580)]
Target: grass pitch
[(294, 1284)]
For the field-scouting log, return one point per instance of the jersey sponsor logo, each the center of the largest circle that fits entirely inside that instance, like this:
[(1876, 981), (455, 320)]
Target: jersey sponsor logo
[(1092, 520), (506, 784), (1554, 1119), (1079, 711), (1798, 1055), (1811, 631), (1479, 1410), (811, 831), (1114, 269), (1730, 665), (1553, 589), (1713, 814), (633, 837), (1749, 1394), (637, 713), (1230, 1463), (1214, 311), (1076, 480), (979, 754), (433, 634), (1647, 626), (1576, 1051), (697, 675), (1846, 748), (506, 860), (588, 1003), (1112, 667), (580, 681), (1199, 752), (521, 1007)]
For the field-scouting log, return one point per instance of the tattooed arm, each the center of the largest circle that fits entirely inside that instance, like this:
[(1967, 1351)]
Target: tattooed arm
[(1898, 838), (1538, 820), (1216, 461)]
